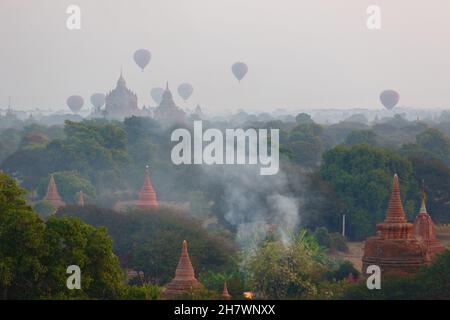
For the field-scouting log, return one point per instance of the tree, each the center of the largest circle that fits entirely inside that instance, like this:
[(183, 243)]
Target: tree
[(34, 255), (69, 183), (436, 176), (361, 137), (436, 143), (361, 176), (150, 241), (21, 244), (303, 118), (72, 242), (305, 144), (44, 208), (280, 271)]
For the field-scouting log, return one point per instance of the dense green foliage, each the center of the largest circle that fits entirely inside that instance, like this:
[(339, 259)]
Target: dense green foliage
[(362, 175), (330, 170), (151, 241), (296, 270), (34, 254)]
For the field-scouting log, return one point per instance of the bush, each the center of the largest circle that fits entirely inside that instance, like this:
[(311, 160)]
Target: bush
[(342, 272), (333, 241), (145, 292)]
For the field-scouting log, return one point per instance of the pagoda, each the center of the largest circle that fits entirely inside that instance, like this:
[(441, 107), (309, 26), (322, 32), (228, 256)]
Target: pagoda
[(147, 195), (184, 281), (52, 195), (121, 102), (225, 294), (395, 249), (168, 112), (425, 231)]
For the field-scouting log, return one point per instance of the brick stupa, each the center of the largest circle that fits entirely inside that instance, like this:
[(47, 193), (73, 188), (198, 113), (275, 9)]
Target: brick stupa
[(147, 195), (225, 294), (52, 195), (425, 231), (395, 249), (184, 281)]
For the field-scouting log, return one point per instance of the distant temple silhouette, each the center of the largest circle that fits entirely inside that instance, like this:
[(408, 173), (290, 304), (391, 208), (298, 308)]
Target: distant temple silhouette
[(147, 195), (121, 102), (52, 195), (167, 112)]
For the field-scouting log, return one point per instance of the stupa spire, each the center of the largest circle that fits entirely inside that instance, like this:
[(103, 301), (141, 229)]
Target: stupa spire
[(425, 230), (52, 195), (147, 195), (225, 294), (184, 280), (395, 212)]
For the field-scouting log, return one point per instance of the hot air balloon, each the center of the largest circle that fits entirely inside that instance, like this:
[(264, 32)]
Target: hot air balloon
[(75, 103), (156, 94), (239, 70), (142, 57), (98, 100), (185, 90), (389, 99)]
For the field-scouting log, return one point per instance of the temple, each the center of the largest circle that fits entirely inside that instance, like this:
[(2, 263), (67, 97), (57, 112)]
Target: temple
[(395, 248), (52, 195), (121, 102), (425, 231), (184, 281), (147, 195), (225, 294), (167, 112)]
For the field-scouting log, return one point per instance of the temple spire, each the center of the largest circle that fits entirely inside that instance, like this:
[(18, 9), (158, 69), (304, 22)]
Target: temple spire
[(395, 212), (423, 208), (424, 229), (184, 280), (147, 195), (52, 195), (225, 294)]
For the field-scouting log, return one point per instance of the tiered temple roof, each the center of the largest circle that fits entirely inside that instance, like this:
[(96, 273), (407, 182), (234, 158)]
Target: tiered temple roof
[(184, 281), (147, 195), (121, 102), (52, 195), (395, 249), (167, 112)]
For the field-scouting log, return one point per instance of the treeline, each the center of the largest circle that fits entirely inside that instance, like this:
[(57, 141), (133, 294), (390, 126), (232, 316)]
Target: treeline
[(343, 168)]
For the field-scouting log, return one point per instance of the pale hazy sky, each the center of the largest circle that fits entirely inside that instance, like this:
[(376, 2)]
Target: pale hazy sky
[(301, 54)]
